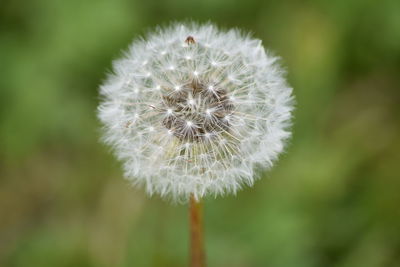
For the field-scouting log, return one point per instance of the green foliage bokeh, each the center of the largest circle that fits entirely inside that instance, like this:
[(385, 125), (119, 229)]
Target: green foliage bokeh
[(332, 199)]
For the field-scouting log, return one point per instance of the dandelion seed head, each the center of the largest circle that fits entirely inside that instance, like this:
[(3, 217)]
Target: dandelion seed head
[(202, 117)]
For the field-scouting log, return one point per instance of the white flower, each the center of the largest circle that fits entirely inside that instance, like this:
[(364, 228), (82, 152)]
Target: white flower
[(193, 110)]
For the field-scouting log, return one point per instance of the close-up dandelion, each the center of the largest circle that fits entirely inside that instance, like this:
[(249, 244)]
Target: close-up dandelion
[(199, 133), (192, 111)]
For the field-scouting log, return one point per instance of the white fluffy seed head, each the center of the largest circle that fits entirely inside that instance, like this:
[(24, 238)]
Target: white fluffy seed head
[(193, 110)]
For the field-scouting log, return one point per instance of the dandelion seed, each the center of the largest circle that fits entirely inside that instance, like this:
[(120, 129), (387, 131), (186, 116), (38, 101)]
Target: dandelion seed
[(213, 128)]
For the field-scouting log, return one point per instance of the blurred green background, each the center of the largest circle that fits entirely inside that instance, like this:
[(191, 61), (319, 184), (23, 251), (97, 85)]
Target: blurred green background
[(332, 200)]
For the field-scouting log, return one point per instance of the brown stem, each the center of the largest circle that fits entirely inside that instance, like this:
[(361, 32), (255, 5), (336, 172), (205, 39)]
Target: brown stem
[(197, 255)]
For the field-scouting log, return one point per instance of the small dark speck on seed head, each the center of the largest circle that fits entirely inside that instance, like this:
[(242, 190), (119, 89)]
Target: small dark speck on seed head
[(190, 40)]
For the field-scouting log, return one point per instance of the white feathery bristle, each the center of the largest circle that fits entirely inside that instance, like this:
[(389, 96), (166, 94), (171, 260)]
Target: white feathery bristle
[(192, 110)]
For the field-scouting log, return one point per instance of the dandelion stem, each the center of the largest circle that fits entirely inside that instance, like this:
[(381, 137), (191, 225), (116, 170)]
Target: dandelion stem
[(197, 254)]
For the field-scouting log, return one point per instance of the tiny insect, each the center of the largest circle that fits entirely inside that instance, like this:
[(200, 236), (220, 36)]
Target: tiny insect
[(190, 40)]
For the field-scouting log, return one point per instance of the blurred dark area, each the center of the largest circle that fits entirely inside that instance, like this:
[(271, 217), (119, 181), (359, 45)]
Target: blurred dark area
[(332, 200)]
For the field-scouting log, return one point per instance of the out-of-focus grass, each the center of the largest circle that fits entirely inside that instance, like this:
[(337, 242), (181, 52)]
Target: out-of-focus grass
[(332, 200)]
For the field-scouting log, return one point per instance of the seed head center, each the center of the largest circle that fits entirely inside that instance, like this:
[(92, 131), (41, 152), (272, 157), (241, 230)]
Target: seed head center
[(198, 112)]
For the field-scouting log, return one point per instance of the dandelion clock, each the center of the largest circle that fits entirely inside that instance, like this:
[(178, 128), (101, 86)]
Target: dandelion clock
[(192, 111)]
